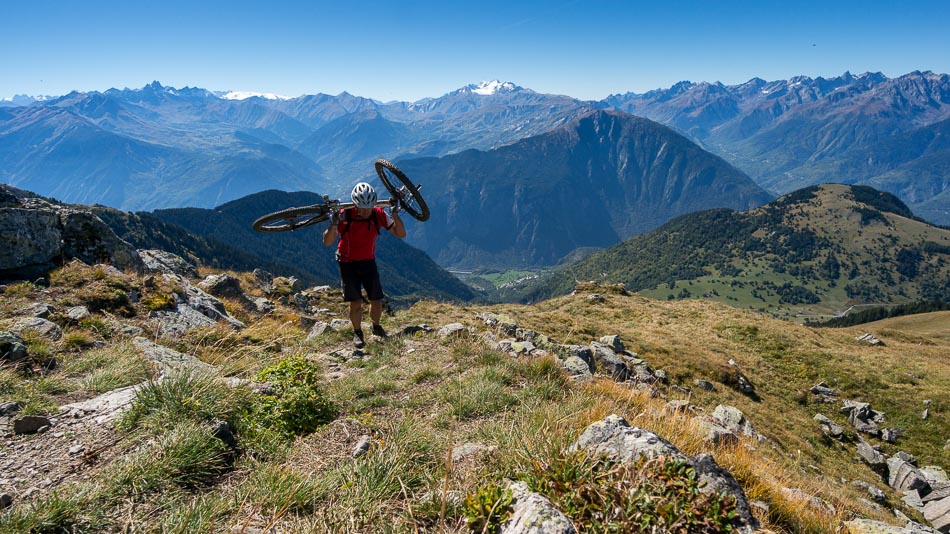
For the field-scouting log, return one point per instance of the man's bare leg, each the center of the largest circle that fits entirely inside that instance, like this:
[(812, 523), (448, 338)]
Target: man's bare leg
[(356, 314), (376, 313)]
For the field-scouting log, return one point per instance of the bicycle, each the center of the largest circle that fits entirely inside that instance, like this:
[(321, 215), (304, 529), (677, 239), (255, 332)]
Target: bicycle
[(406, 196)]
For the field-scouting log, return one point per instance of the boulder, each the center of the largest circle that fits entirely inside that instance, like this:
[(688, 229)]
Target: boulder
[(159, 261), (263, 305), (608, 363), (580, 351), (829, 427), (903, 476), (533, 513), (733, 419), (77, 313), (222, 285), (169, 361), (318, 330), (613, 342), (938, 514), (46, 329), (704, 385), (614, 439), (37, 309), (869, 339), (453, 330), (467, 451), (577, 368), (9, 408), (12, 347), (871, 456)]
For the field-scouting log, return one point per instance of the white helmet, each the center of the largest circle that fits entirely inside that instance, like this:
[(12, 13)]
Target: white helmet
[(364, 196)]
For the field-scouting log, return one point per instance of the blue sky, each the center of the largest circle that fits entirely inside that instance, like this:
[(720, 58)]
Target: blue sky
[(416, 49)]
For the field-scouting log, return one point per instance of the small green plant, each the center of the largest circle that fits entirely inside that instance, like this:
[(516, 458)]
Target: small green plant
[(21, 289), (488, 508), (158, 301), (296, 405)]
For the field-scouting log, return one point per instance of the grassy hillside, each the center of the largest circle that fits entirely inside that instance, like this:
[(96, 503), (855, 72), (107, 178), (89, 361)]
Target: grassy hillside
[(418, 397), (809, 254)]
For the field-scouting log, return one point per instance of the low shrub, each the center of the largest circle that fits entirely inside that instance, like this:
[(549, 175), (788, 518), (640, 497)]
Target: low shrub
[(296, 404)]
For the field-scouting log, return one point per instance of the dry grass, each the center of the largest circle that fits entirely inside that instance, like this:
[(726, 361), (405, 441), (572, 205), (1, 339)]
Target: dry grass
[(419, 397)]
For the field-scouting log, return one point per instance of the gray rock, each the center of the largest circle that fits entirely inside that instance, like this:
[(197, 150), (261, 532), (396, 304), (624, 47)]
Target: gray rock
[(105, 408), (869, 339), (595, 297), (939, 490), (934, 474), (903, 476), (12, 347), (41, 234), (868, 526), (829, 427), (264, 280), (160, 261), (533, 513), (77, 313), (9, 408), (197, 309), (30, 424), (613, 342), (466, 451), (613, 438), (608, 363), (871, 456), (169, 361), (319, 328), (714, 433), (875, 492), (503, 323), (453, 330), (286, 285), (362, 446), (340, 325), (37, 309), (704, 384), (581, 351), (6, 500), (676, 406), (222, 285), (718, 480), (822, 389), (46, 329), (890, 435), (263, 305), (577, 368), (733, 419), (938, 514)]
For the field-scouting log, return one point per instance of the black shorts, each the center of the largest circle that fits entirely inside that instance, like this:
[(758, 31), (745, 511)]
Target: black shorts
[(358, 275)]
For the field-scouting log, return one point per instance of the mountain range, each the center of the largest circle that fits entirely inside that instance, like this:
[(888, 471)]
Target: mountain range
[(787, 134), (817, 250), (160, 146), (591, 183)]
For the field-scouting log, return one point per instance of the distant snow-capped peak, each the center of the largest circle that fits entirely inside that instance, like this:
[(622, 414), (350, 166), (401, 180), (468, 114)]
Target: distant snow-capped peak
[(492, 87), (243, 95)]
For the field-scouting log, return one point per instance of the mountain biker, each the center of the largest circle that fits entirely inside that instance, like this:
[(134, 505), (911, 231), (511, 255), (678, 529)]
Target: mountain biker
[(358, 229)]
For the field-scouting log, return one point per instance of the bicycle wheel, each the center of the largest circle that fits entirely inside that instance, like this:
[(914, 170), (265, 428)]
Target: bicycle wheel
[(400, 187), (291, 218)]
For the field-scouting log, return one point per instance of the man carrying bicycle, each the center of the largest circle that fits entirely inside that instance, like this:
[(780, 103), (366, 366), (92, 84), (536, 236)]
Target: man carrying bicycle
[(358, 229)]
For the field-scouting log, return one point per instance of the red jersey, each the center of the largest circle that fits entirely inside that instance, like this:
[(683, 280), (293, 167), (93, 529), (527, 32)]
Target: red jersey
[(358, 236)]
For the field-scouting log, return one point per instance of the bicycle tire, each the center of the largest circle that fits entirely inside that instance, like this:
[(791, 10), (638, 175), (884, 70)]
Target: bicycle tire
[(291, 219), (408, 193)]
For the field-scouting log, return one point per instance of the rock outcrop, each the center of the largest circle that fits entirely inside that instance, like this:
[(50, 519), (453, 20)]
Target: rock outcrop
[(37, 235)]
